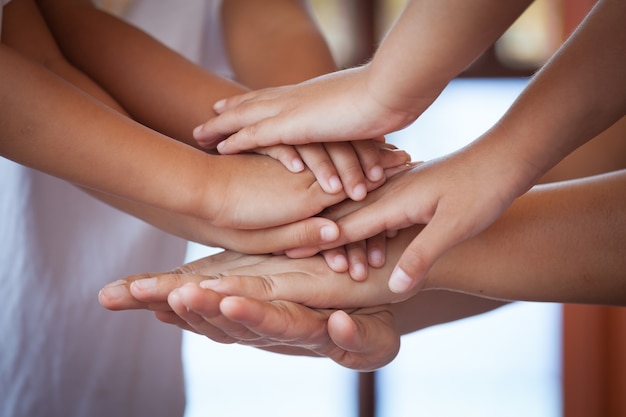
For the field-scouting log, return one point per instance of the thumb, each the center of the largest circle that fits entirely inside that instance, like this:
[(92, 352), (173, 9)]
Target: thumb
[(436, 238), (369, 341)]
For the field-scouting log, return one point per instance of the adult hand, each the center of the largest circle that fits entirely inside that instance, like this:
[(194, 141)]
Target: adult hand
[(362, 339)]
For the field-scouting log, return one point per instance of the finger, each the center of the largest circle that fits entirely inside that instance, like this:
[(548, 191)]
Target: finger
[(319, 162), (391, 172), (357, 260), (392, 158), (280, 321), (154, 290), (286, 155), (117, 295), (297, 287), (231, 120), (336, 259), (369, 340), (197, 307), (348, 165), (304, 252), (437, 237), (369, 154), (376, 250), (255, 127), (309, 232)]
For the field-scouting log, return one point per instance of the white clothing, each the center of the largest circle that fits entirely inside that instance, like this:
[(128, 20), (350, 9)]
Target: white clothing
[(62, 354)]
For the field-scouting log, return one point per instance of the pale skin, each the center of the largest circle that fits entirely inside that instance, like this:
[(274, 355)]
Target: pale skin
[(562, 242), (62, 144), (575, 96)]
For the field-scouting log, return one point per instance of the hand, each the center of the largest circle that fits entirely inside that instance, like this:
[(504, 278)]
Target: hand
[(456, 196), (338, 166), (306, 281), (255, 191), (364, 339), (334, 107)]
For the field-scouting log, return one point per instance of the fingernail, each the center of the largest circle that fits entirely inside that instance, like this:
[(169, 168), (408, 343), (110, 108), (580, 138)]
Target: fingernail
[(114, 292), (376, 173), (297, 165), (335, 184), (115, 283), (359, 192), (357, 271), (376, 258), (145, 284), (219, 105), (329, 233), (340, 263), (197, 131), (399, 281), (210, 283)]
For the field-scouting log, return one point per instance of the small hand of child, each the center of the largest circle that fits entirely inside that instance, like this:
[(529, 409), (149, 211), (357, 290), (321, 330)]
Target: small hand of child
[(353, 167), (456, 197), (331, 108)]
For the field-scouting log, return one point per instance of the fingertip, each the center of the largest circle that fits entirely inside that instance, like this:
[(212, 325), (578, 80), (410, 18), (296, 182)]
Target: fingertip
[(358, 272), (359, 192), (344, 331), (400, 282), (197, 132), (329, 232), (337, 262), (376, 173), (219, 106), (296, 165), (334, 185), (376, 258), (113, 292)]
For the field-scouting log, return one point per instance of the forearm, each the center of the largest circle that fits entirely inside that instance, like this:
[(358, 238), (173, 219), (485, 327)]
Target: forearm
[(563, 242), (157, 86), (69, 142), (431, 43), (431, 308), (577, 95), (274, 42)]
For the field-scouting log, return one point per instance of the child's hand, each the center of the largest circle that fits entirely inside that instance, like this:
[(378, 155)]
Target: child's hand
[(364, 339), (341, 166), (456, 196), (357, 257), (331, 108), (257, 192)]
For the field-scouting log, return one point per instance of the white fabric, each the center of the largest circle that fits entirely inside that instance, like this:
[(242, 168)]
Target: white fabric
[(61, 353)]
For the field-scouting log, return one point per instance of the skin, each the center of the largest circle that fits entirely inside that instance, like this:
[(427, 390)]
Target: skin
[(334, 166), (575, 96), (62, 144), (561, 242)]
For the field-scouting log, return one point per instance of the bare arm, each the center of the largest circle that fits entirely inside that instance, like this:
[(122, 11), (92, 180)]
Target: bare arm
[(562, 242), (54, 127), (157, 86), (274, 42)]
